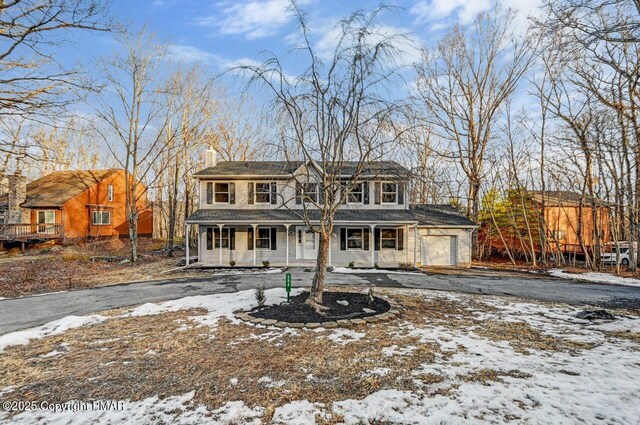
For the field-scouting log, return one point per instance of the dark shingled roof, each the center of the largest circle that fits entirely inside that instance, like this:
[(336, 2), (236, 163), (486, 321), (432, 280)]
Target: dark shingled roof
[(54, 189), (286, 168), (428, 215), (439, 215)]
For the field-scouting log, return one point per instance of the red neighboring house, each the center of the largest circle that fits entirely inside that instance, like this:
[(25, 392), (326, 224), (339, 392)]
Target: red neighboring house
[(69, 205)]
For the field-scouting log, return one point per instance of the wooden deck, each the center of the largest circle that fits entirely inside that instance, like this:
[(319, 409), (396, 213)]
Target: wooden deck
[(29, 232)]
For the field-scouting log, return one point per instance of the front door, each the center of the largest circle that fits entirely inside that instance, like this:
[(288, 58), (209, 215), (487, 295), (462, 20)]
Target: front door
[(46, 217), (306, 243)]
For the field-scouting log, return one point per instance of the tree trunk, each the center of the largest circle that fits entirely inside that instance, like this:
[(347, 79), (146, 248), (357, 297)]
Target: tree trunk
[(317, 284)]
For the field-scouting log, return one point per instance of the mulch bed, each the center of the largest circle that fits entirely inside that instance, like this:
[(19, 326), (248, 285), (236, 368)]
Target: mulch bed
[(298, 312)]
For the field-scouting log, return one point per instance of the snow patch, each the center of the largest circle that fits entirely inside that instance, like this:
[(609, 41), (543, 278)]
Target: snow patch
[(52, 328), (299, 412), (346, 270), (345, 336), (596, 277)]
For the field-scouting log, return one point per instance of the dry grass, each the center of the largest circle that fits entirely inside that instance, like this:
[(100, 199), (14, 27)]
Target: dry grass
[(139, 357), (54, 268)]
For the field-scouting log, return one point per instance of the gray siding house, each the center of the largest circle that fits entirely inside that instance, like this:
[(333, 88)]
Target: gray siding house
[(251, 211)]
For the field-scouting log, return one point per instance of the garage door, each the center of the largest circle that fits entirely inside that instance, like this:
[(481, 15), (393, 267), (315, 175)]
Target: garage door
[(439, 250)]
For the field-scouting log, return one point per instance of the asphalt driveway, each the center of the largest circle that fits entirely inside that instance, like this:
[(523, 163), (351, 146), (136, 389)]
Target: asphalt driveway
[(26, 312)]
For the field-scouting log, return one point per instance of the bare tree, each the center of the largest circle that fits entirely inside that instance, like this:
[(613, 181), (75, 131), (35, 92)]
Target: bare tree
[(136, 114), (336, 110), (463, 87), (32, 82)]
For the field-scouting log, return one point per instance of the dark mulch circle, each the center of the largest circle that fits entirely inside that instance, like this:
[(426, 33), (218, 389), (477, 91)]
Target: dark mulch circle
[(298, 312)]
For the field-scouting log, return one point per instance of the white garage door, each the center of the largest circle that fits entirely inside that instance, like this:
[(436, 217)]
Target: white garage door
[(439, 250)]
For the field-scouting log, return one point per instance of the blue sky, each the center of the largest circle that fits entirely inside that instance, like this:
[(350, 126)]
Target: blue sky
[(222, 33)]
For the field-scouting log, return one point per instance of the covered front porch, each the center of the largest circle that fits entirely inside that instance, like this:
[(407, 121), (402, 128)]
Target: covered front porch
[(294, 244)]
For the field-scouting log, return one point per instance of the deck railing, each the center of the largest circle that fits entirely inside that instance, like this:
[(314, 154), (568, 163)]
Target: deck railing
[(29, 232)]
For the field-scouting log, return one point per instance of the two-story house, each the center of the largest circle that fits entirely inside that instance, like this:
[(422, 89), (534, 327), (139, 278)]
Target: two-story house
[(251, 211), (76, 204)]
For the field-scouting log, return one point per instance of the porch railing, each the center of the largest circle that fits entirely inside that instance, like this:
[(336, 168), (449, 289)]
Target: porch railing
[(28, 231)]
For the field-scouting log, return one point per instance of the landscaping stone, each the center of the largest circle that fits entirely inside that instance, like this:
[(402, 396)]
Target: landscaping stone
[(281, 324), (371, 319), (358, 321), (344, 322), (269, 322), (330, 325), (313, 325)]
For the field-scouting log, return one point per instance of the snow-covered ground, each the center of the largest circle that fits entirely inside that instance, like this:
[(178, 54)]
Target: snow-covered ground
[(597, 385), (596, 277)]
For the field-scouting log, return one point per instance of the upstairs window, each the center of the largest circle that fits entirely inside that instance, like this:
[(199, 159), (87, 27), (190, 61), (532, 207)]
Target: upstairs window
[(310, 191), (110, 193), (263, 193), (389, 193), (222, 193), (356, 195)]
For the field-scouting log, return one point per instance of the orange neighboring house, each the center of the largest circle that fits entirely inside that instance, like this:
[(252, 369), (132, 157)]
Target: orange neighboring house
[(562, 212), (79, 204)]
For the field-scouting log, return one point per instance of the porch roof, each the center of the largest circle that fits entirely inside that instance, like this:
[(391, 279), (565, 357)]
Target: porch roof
[(422, 215)]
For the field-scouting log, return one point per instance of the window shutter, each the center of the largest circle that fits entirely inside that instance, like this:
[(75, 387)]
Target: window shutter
[(232, 238), (320, 197), (343, 188), (376, 238), (250, 190), (209, 238), (365, 193), (232, 193), (400, 239), (250, 238), (209, 192), (274, 234), (274, 193), (365, 236), (377, 193), (400, 194), (298, 193), (343, 239)]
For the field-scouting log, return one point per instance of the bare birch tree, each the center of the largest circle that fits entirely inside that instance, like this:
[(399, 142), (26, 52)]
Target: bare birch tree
[(336, 110)]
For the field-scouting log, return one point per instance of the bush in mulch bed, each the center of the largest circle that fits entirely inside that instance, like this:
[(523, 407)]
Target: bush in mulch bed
[(298, 312)]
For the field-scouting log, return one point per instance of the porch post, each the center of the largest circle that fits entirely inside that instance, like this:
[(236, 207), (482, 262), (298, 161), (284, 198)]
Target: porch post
[(220, 226), (415, 245), (286, 231), (372, 245), (186, 244), (255, 226)]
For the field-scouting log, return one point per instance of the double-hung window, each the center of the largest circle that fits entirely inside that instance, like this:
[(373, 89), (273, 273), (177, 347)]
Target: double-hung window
[(356, 194), (389, 193), (101, 218), (263, 238), (219, 193), (263, 193), (355, 238), (389, 238), (310, 192), (225, 237)]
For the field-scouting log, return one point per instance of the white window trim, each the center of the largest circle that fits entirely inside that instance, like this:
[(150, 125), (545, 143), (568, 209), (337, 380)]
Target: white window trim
[(216, 239), (45, 216), (255, 192), (255, 235), (93, 218), (305, 198), (395, 229), (213, 198), (346, 235), (382, 193), (361, 192), (110, 193)]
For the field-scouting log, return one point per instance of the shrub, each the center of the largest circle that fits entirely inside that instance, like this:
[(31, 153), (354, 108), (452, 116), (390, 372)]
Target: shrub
[(406, 266), (370, 296), (266, 264), (232, 263), (260, 296), (351, 265), (376, 266)]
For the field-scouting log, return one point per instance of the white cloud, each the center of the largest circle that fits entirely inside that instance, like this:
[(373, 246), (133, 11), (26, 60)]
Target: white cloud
[(189, 54), (253, 19)]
